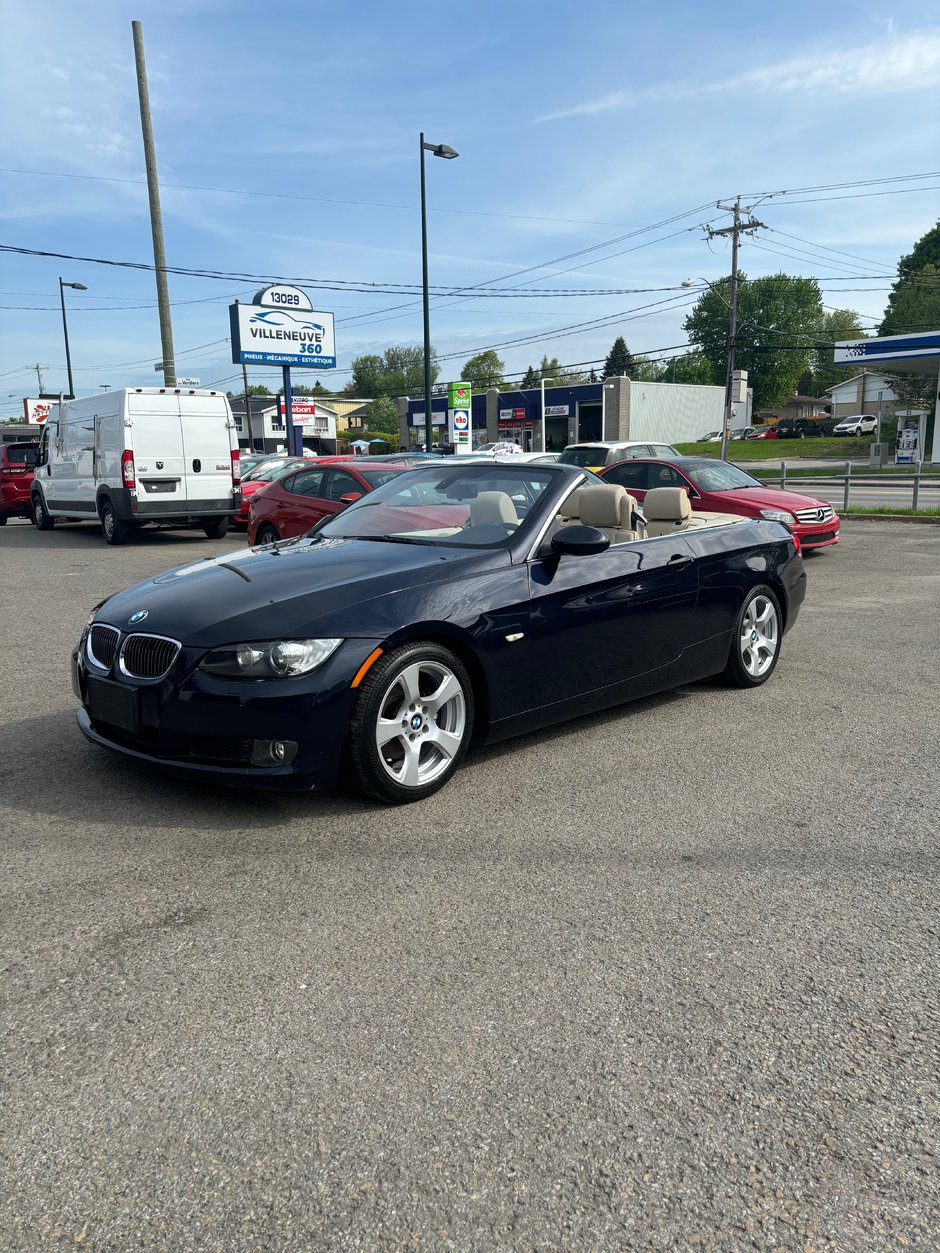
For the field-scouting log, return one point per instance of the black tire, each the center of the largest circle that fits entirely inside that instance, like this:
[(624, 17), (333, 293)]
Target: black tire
[(267, 534), (384, 690), (215, 528), (3, 519), (750, 662), (112, 528), (41, 519)]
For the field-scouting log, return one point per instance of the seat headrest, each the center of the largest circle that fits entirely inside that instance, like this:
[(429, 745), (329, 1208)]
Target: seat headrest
[(492, 508), (667, 504), (605, 506)]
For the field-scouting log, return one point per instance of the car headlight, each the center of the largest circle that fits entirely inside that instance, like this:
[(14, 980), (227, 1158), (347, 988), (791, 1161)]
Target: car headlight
[(275, 659), (778, 515)]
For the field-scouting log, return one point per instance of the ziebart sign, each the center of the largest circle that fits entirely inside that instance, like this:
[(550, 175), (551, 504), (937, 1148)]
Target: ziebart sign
[(281, 327)]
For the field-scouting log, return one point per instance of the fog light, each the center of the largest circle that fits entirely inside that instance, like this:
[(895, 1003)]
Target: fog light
[(273, 752)]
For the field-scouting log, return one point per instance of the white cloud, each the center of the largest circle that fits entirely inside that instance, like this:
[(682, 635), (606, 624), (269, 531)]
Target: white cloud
[(893, 65)]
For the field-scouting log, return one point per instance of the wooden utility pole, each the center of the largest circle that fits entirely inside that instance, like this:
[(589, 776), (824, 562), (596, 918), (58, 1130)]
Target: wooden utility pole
[(156, 219), (736, 229)]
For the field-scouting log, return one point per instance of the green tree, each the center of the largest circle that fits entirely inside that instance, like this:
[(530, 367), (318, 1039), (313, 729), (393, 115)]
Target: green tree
[(253, 390), (914, 305), (619, 360), (399, 371), (299, 389), (483, 371), (382, 416), (530, 378), (691, 367), (556, 375), (836, 325), (777, 326)]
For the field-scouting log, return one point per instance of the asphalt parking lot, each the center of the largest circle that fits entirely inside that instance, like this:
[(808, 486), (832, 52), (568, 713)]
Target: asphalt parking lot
[(661, 978)]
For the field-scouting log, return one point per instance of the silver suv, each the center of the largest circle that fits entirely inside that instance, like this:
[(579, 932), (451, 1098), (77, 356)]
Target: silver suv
[(604, 452)]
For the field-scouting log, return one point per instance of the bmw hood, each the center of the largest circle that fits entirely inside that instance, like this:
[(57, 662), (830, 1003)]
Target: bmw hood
[(305, 587)]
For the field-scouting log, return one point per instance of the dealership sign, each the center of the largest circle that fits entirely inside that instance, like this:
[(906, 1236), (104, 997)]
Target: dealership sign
[(37, 411), (281, 327), (556, 411)]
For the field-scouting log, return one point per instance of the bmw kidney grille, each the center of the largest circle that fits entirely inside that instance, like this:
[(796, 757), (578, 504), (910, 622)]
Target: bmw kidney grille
[(147, 656), (102, 645)]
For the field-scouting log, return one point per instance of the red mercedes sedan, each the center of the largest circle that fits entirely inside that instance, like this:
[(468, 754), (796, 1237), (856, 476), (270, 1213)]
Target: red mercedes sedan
[(719, 486), (293, 504)]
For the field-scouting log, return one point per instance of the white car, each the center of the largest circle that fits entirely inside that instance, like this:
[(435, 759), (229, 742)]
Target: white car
[(857, 424), (502, 448)]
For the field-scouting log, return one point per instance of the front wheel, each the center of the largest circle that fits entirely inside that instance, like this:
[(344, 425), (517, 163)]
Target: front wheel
[(411, 724), (215, 528), (112, 528), (755, 646), (41, 519)]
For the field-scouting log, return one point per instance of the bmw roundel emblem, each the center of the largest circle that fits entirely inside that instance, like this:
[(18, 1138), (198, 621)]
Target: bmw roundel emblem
[(137, 617)]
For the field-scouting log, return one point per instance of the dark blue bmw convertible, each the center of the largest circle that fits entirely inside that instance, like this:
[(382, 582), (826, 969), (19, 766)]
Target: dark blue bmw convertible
[(456, 604)]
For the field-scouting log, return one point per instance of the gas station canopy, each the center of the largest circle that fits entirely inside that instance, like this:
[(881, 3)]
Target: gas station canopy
[(915, 354)]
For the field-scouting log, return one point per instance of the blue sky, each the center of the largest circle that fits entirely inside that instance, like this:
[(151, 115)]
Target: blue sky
[(576, 126)]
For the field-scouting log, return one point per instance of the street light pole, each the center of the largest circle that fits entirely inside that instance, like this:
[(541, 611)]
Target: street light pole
[(65, 330), (439, 150)]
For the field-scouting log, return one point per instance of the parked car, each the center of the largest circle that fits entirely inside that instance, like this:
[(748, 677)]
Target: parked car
[(605, 452), (16, 475), (263, 474), (717, 485), (450, 606), (803, 428), (741, 432), (138, 455), (707, 438), (859, 424), (295, 503), (499, 448), (763, 432)]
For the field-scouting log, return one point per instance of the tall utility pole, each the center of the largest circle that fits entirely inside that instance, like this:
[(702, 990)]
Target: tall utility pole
[(156, 219), (738, 228), (39, 369)]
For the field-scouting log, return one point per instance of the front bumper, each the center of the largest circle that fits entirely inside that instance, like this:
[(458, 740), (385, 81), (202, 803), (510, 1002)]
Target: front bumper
[(204, 727), (818, 534)]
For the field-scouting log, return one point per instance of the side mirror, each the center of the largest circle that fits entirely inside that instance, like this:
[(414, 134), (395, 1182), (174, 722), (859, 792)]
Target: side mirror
[(579, 541), (31, 458), (351, 497)]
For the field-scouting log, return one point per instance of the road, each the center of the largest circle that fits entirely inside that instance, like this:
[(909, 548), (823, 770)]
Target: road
[(664, 978)]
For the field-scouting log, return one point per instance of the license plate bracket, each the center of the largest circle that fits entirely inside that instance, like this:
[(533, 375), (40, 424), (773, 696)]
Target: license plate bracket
[(113, 703)]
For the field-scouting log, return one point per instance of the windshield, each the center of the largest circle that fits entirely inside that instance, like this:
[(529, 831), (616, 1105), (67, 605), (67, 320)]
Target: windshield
[(718, 476), (375, 478), (272, 470), (476, 506), (587, 456)]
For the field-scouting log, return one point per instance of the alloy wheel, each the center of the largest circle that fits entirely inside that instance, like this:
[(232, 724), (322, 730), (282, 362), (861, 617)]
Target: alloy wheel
[(760, 636), (421, 724)]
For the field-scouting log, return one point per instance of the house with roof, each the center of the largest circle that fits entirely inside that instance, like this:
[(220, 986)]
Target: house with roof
[(867, 392)]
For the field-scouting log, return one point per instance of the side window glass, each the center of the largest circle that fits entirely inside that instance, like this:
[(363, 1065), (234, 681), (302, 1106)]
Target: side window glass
[(339, 484), (629, 476), (308, 483), (665, 476)]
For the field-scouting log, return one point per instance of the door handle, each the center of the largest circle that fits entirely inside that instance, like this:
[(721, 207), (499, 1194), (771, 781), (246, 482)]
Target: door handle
[(678, 561)]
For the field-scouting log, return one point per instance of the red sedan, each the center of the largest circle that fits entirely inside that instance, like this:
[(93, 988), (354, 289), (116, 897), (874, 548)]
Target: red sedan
[(719, 486), (298, 501)]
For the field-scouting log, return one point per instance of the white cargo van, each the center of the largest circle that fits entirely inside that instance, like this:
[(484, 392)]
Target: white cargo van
[(138, 455)]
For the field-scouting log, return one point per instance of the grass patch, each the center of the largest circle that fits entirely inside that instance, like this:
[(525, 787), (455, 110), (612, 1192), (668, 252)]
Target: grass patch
[(889, 511), (781, 449)]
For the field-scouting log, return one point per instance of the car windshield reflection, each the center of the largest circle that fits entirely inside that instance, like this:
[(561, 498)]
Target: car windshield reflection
[(474, 506)]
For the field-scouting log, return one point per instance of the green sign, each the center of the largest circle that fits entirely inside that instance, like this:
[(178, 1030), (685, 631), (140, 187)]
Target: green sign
[(458, 395)]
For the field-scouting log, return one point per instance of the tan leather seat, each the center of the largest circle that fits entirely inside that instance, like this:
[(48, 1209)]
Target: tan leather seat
[(493, 509), (569, 511), (667, 510), (610, 509)]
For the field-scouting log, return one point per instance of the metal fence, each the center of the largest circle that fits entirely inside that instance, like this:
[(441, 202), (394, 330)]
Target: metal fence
[(924, 487)]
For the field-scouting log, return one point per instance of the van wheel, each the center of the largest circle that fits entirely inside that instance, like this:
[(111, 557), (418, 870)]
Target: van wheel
[(112, 528), (41, 519), (215, 528), (3, 519)]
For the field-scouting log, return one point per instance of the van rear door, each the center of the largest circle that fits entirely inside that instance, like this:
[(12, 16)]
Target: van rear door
[(207, 444), (157, 444)]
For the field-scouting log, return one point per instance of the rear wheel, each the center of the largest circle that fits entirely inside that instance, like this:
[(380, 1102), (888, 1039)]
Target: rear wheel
[(3, 519), (411, 723), (215, 528), (112, 528), (267, 534), (755, 645), (41, 519)]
